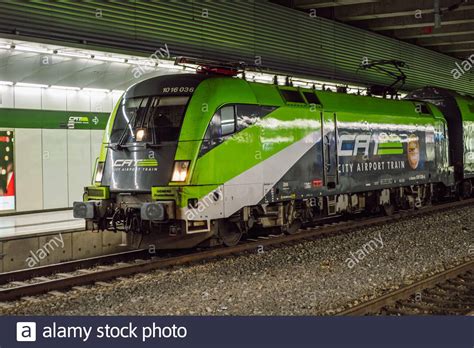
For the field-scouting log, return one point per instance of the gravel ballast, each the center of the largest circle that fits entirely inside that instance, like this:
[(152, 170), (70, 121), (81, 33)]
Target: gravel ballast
[(311, 278)]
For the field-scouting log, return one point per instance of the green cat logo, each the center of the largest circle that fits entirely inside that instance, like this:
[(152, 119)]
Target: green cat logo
[(124, 163), (74, 120)]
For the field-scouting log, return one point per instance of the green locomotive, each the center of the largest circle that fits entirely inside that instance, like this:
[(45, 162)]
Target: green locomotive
[(189, 159)]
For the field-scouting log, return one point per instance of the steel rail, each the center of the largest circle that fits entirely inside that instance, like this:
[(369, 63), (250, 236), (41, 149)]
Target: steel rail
[(377, 304), (69, 266), (91, 276)]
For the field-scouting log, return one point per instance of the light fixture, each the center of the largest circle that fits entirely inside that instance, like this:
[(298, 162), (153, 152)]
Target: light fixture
[(110, 59), (73, 54), (169, 65), (100, 90), (66, 87), (6, 83), (134, 61), (31, 49), (142, 62), (259, 77), (37, 85)]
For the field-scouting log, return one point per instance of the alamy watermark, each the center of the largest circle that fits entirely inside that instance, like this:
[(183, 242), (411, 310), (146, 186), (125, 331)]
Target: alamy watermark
[(366, 249), (463, 68), (204, 203), (43, 252), (152, 61)]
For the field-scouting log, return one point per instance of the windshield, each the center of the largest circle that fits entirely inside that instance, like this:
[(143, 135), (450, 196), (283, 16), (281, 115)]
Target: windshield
[(149, 120)]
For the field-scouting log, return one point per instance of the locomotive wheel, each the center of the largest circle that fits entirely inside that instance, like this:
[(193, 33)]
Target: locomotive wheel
[(388, 209), (293, 228), (465, 190), (229, 233)]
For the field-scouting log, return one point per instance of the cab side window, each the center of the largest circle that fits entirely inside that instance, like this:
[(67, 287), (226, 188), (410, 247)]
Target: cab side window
[(221, 126), (222, 123), (231, 119), (227, 119)]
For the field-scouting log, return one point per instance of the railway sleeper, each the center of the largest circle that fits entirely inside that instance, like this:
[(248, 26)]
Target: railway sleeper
[(441, 301)]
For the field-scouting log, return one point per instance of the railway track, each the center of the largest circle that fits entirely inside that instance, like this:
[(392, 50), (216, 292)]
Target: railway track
[(447, 293), (31, 282)]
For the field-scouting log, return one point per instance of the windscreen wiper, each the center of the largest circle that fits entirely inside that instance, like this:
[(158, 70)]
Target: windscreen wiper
[(121, 141), (152, 130)]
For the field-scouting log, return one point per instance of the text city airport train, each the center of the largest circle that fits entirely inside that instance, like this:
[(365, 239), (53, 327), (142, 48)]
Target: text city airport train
[(202, 159)]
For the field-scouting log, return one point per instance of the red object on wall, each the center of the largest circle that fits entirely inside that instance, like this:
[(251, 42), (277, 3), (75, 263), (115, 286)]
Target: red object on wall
[(11, 186), (427, 30)]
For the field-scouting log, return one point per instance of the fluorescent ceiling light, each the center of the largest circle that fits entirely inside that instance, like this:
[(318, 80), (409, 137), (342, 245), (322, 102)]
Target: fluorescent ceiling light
[(31, 49), (110, 59), (74, 54), (96, 90), (169, 66), (258, 79), (6, 83), (24, 84), (147, 62), (66, 87), (134, 61), (300, 84), (266, 78)]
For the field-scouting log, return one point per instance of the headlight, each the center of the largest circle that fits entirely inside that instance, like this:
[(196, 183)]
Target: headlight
[(141, 134), (99, 171), (180, 171)]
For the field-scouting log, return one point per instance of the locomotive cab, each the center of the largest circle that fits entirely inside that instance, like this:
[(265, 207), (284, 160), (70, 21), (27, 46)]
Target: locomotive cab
[(138, 177)]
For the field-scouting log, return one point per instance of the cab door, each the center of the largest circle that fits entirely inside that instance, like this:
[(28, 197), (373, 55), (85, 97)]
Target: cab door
[(444, 169), (330, 159)]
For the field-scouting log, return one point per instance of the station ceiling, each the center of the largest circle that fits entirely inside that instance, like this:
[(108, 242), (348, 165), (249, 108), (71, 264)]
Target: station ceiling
[(411, 21), (284, 40), (29, 63)]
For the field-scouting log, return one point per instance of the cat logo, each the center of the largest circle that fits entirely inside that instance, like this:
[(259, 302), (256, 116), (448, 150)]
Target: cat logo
[(75, 120), (367, 144), (123, 163), (413, 152)]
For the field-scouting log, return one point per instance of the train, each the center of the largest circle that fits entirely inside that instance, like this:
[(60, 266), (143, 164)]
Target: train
[(203, 159)]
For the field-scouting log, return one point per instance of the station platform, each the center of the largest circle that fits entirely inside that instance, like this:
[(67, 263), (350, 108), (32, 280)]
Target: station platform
[(23, 236), (12, 226)]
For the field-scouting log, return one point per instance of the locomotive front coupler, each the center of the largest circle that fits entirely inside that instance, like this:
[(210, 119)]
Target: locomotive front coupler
[(89, 210)]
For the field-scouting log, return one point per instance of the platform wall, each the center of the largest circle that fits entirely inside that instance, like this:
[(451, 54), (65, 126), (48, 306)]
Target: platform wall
[(57, 136), (53, 165), (54, 158)]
